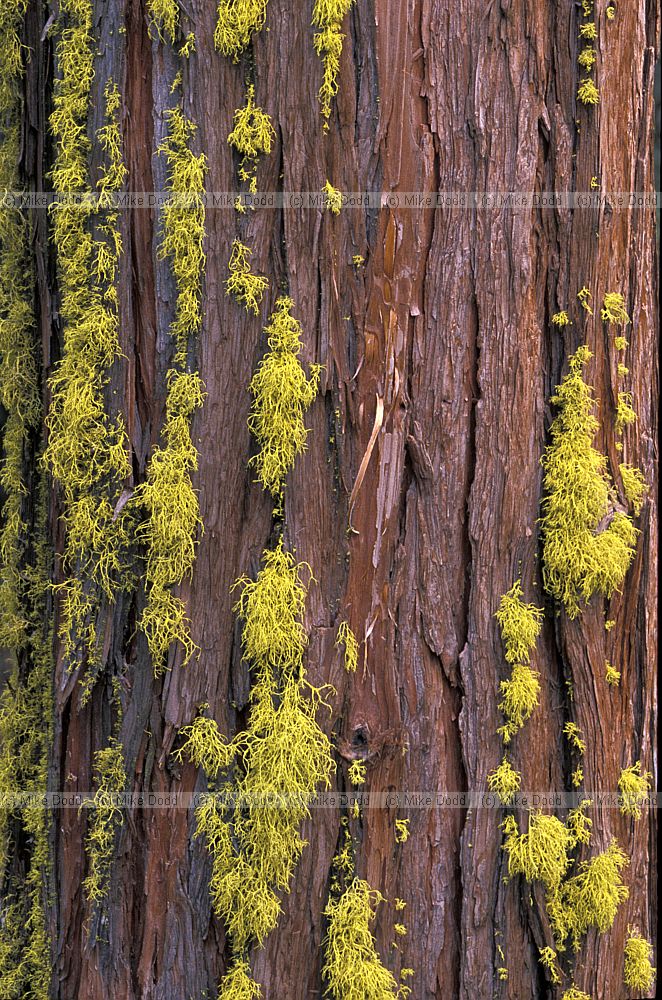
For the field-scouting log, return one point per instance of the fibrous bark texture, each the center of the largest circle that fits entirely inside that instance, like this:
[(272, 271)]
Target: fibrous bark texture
[(417, 501)]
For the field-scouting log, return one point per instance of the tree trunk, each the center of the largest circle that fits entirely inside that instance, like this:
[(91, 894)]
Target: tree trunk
[(417, 501)]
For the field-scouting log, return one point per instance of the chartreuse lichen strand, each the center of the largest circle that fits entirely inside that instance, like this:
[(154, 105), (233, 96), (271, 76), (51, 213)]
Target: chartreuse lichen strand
[(164, 15), (281, 395), (542, 853), (634, 789), (548, 959), (574, 735), (561, 318), (252, 137), (87, 449), (332, 198), (579, 823), (587, 544), (635, 486), (205, 746), (612, 675), (247, 288), (238, 984), (625, 415), (572, 993), (505, 781), (613, 309), (585, 297), (519, 698), (328, 16), (352, 968), (357, 773), (346, 638), (19, 389), (592, 896), (519, 624), (168, 496), (237, 21), (638, 971), (588, 93), (105, 818)]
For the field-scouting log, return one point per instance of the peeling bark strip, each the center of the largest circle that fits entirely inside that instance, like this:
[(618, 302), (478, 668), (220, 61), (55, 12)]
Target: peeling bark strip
[(443, 334)]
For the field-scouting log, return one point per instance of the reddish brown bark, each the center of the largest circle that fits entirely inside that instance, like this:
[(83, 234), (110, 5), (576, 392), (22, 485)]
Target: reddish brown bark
[(446, 332)]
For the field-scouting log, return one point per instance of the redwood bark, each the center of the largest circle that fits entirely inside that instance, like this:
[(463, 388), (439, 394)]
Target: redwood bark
[(446, 329)]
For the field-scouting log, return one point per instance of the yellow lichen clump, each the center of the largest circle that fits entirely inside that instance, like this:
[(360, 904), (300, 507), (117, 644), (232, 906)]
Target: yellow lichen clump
[(237, 21), (588, 92), (548, 959), (19, 392), (333, 198), (613, 309), (561, 318), (572, 993), (105, 818), (592, 896), (634, 788), (247, 288), (281, 394), (625, 415), (87, 449), (252, 136), (505, 781), (612, 675), (540, 854), (238, 984), (357, 772), (328, 16), (280, 759), (352, 967), (638, 972), (167, 495), (520, 625), (588, 546), (635, 486), (164, 15), (347, 639)]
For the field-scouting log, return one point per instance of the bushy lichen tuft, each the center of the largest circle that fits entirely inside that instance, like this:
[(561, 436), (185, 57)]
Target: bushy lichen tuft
[(635, 486), (572, 731), (281, 394), (520, 694), (352, 968), (549, 960), (585, 297), (328, 16), (612, 675), (346, 638), (164, 15), (252, 136), (625, 415), (638, 973), (572, 993), (519, 624), (542, 853), (333, 198), (579, 823), (592, 896), (561, 318), (238, 984), (588, 93), (237, 21), (505, 781), (205, 746), (106, 817), (247, 288), (634, 789), (587, 546), (587, 58), (613, 309)]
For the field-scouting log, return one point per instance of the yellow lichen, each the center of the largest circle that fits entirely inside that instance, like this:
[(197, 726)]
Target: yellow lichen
[(577, 776), (346, 638), (352, 968), (247, 288), (205, 746), (357, 772), (105, 818), (519, 624), (328, 16), (635, 486), (573, 732), (588, 31), (587, 546), (252, 136), (540, 854), (237, 984), (572, 993), (519, 699), (579, 823), (638, 972), (620, 343), (333, 198), (625, 415), (237, 22), (634, 790), (585, 297), (401, 831), (587, 58), (612, 676), (588, 92), (592, 896), (613, 309), (164, 15), (561, 318), (548, 959), (505, 781), (281, 394)]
